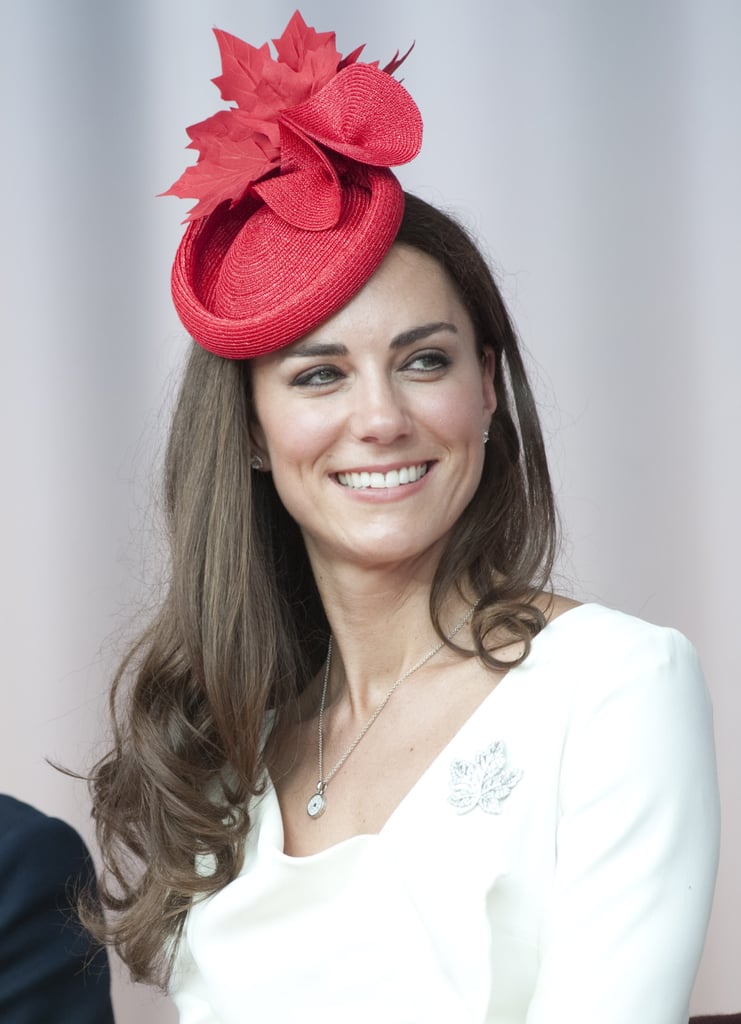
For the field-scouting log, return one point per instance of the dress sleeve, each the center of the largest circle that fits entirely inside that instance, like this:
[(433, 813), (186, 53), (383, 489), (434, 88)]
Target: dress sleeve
[(187, 990), (636, 844)]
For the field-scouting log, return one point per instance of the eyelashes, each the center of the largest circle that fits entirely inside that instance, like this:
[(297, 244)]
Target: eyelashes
[(317, 377), (428, 362), (422, 364)]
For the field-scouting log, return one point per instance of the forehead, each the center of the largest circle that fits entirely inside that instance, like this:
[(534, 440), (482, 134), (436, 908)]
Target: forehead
[(409, 289), (407, 298)]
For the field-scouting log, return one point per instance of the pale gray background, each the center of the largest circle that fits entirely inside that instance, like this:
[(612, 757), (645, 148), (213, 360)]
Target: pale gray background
[(594, 146)]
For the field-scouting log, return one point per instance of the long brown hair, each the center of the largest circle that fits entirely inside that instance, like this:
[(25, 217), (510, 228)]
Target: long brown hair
[(242, 630)]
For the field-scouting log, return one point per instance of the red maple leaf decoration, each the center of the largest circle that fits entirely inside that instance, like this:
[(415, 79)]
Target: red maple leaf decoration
[(239, 146)]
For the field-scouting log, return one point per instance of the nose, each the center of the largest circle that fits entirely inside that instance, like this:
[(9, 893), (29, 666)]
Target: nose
[(379, 413)]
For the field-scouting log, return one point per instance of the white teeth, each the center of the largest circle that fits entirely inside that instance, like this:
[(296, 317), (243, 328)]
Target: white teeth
[(378, 481)]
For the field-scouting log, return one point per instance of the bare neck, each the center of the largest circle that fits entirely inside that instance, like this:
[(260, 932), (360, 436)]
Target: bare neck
[(381, 626)]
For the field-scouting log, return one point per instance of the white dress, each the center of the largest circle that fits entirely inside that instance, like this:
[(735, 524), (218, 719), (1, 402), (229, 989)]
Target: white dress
[(554, 865)]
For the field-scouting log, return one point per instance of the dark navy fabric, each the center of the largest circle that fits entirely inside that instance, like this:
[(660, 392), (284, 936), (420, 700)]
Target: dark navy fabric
[(50, 970)]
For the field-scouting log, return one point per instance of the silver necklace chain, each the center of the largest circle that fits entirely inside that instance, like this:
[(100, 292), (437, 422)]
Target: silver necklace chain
[(318, 802)]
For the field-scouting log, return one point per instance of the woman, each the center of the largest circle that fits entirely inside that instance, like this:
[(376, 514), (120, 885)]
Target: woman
[(372, 767)]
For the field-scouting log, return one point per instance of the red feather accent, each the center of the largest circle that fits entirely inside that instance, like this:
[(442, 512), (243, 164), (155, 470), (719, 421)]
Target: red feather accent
[(240, 146)]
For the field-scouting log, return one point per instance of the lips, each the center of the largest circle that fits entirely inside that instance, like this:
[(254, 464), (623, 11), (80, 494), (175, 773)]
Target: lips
[(380, 481)]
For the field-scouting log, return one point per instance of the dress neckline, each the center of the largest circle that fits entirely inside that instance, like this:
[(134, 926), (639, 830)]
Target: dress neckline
[(272, 831)]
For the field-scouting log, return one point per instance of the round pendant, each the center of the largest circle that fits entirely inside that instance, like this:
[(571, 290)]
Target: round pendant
[(315, 807)]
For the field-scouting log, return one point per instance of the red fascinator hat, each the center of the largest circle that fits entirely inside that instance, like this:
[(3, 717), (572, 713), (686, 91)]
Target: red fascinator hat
[(296, 203)]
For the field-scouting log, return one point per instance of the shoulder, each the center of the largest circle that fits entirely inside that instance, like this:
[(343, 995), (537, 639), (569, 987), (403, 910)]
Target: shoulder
[(20, 822), (603, 642), (30, 840), (635, 696), (595, 661), (16, 815)]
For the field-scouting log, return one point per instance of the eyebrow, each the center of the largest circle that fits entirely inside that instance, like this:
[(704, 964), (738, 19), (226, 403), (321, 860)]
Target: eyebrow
[(403, 340)]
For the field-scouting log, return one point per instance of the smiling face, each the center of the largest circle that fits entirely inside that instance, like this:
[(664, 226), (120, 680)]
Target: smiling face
[(372, 425)]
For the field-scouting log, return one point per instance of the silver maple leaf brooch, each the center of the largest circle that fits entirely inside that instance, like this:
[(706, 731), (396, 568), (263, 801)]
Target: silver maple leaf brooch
[(484, 782)]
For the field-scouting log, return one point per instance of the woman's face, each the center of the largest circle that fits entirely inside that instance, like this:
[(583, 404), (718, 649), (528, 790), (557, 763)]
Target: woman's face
[(372, 425)]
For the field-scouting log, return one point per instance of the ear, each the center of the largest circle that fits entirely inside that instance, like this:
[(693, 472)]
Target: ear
[(489, 395), (258, 445)]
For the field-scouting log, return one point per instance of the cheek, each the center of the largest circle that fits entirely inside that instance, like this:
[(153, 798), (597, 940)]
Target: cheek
[(458, 413), (295, 437)]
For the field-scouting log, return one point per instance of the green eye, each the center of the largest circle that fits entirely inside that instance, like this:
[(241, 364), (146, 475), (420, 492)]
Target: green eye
[(428, 362), (317, 377)]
